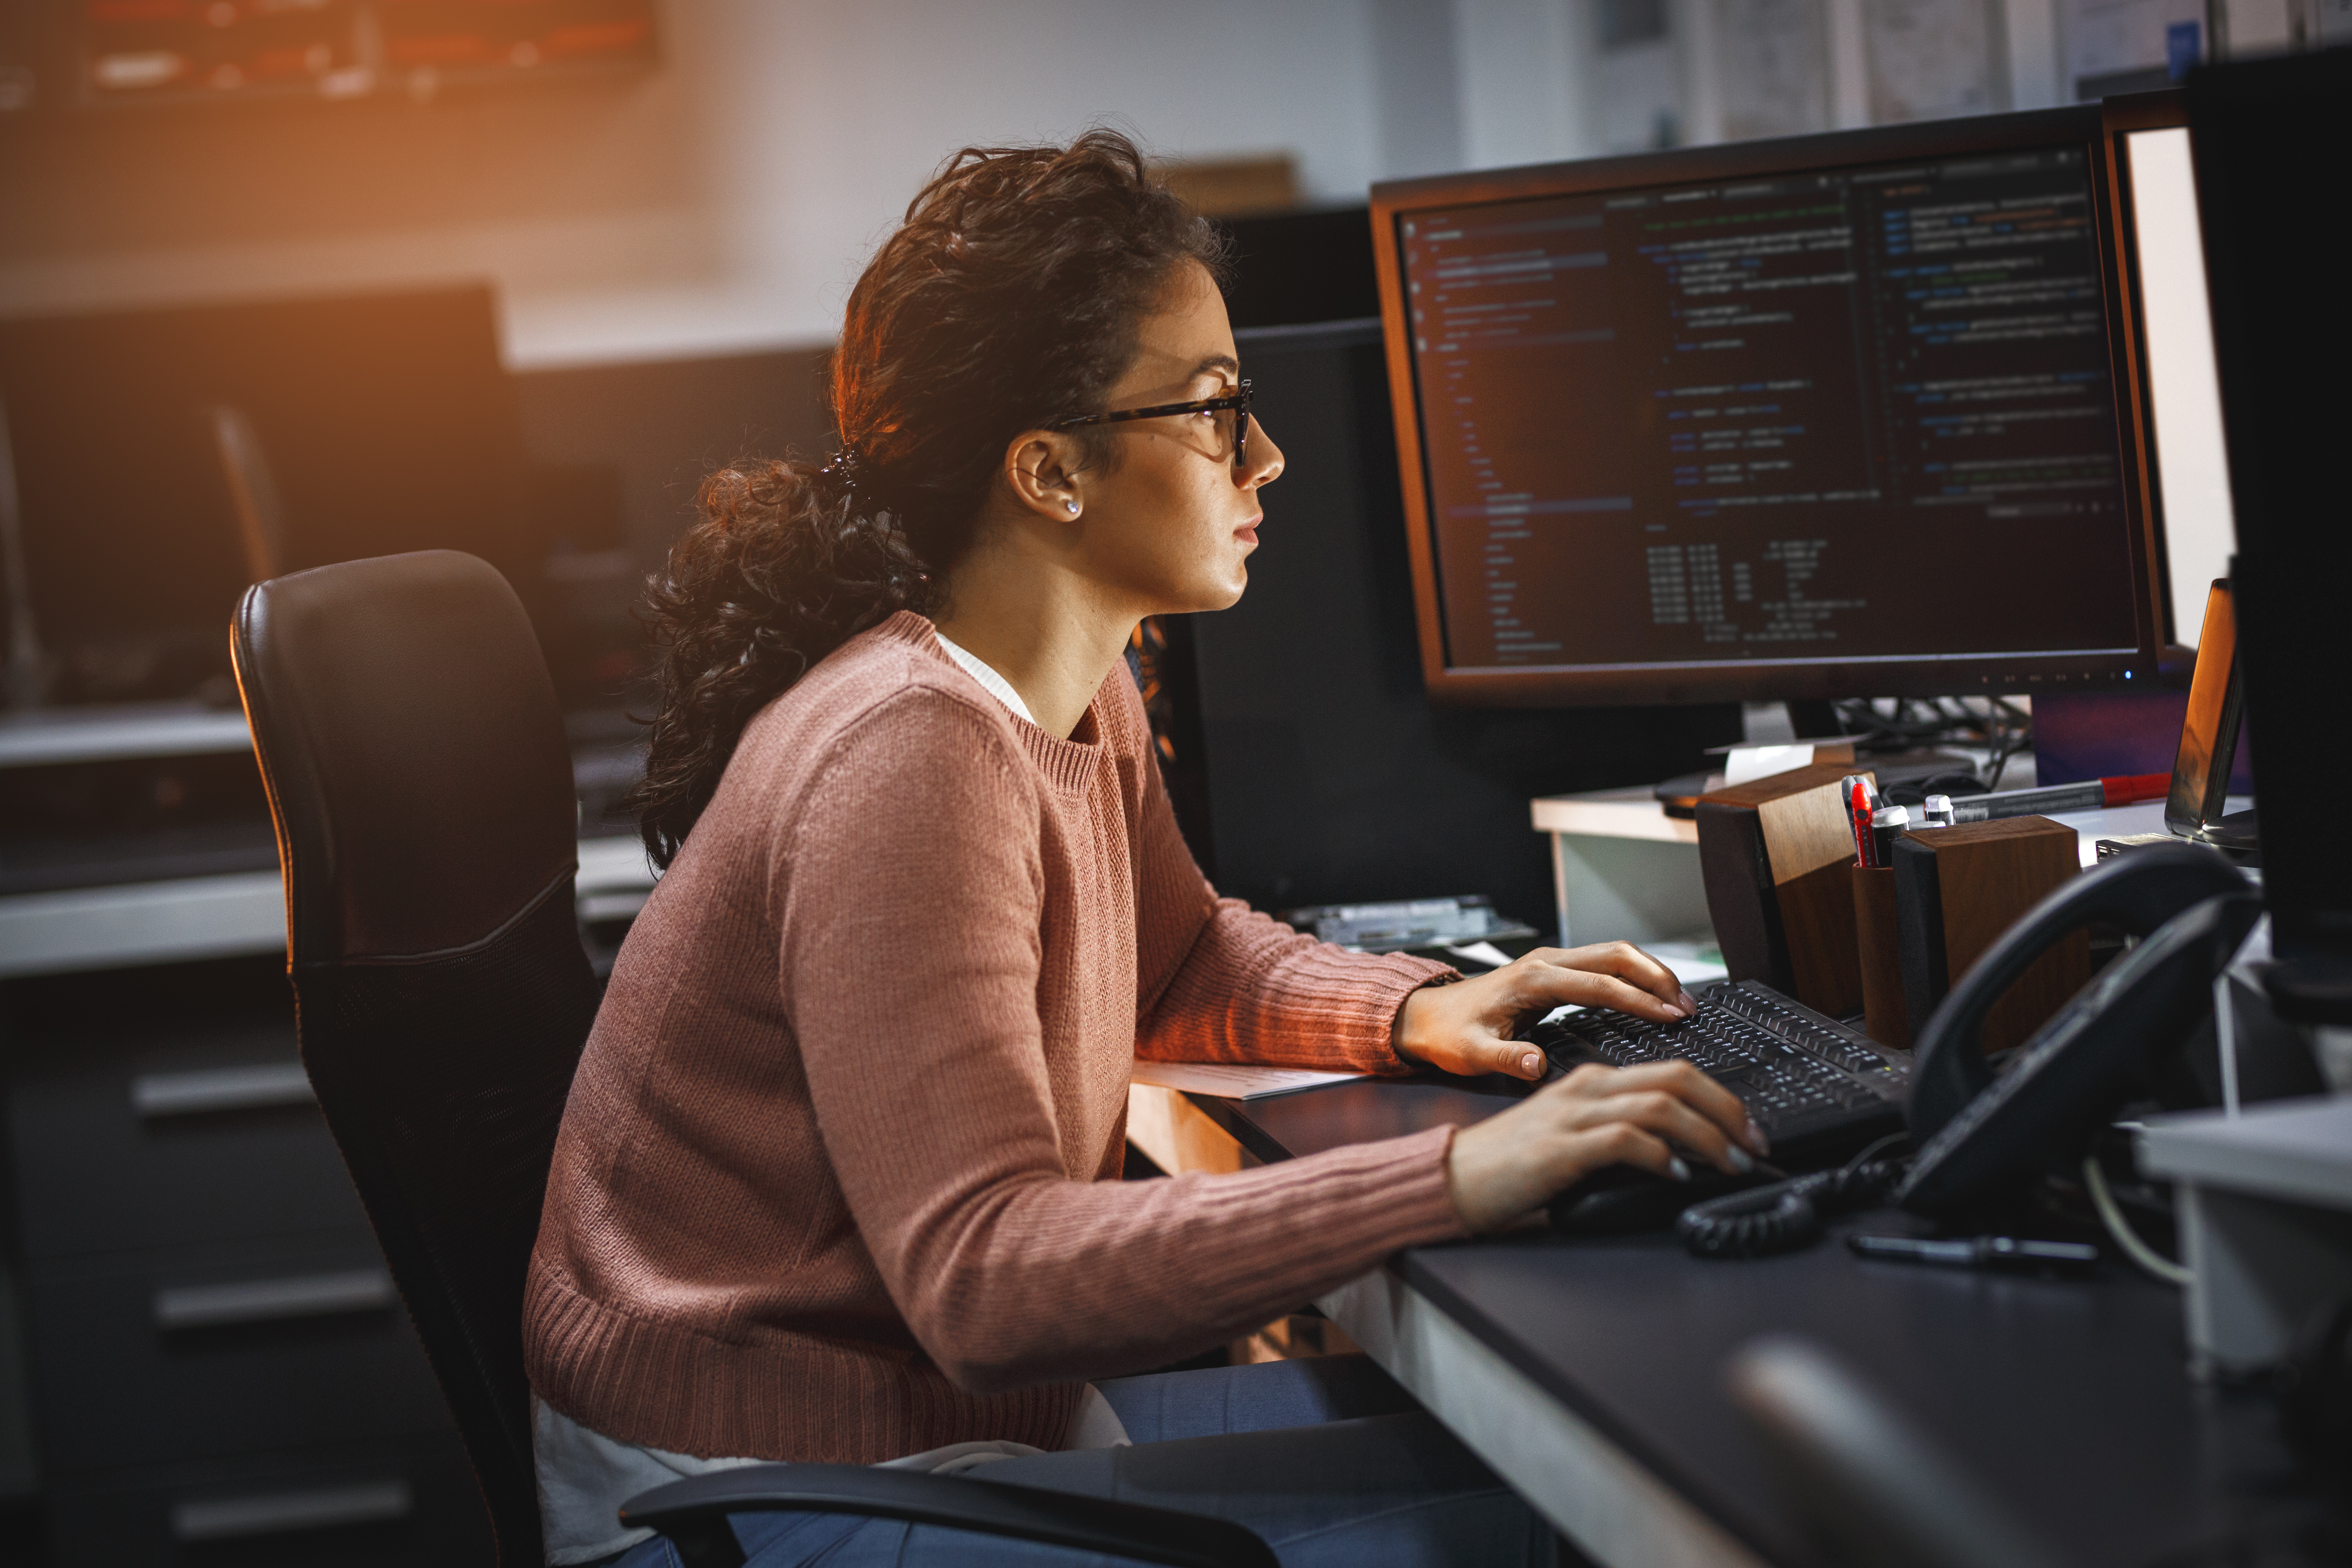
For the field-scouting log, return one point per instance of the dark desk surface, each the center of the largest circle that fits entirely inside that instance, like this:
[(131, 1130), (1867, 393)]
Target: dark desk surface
[(2071, 1398)]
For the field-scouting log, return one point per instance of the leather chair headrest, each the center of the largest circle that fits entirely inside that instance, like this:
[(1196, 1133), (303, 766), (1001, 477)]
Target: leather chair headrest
[(409, 695)]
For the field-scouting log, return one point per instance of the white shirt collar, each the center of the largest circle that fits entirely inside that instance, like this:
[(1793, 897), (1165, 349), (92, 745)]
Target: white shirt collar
[(979, 669)]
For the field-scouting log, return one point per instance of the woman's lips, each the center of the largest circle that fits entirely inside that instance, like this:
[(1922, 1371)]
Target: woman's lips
[(1248, 533)]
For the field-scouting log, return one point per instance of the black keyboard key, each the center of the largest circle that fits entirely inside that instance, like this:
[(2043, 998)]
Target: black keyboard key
[(1801, 1076)]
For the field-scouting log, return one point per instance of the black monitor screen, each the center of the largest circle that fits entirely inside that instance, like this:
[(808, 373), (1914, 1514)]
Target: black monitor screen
[(1841, 416)]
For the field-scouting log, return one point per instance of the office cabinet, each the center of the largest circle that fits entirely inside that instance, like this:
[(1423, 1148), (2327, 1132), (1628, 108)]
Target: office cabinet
[(221, 1367), (380, 1505)]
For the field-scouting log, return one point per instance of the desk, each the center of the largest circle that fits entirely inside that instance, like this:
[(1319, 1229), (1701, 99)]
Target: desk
[(1622, 870), (79, 929), (1588, 1372)]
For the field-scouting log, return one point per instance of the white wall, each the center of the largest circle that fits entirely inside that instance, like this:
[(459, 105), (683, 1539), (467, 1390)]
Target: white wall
[(724, 201)]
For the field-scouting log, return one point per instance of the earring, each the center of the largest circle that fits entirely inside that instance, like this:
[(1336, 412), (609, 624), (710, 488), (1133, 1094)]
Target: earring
[(1073, 507)]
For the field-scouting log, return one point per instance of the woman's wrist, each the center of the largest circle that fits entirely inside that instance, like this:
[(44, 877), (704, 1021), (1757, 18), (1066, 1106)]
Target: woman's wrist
[(1403, 1026)]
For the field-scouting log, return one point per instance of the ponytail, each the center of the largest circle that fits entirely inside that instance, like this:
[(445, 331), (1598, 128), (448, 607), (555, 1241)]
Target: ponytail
[(788, 562)]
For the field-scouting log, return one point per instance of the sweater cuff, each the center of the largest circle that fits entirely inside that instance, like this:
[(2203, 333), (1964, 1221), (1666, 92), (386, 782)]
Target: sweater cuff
[(1411, 974), (1425, 1210)]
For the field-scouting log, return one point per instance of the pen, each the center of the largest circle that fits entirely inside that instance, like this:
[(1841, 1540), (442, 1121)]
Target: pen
[(1975, 1251), (1887, 824), (2091, 794), (1857, 809)]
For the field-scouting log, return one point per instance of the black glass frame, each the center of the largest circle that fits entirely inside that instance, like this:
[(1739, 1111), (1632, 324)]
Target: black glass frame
[(1239, 401)]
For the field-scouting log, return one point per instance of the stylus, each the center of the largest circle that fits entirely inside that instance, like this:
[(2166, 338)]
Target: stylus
[(1975, 1251)]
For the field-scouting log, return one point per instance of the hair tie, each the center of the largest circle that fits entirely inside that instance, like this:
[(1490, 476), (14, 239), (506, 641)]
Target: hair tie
[(845, 472)]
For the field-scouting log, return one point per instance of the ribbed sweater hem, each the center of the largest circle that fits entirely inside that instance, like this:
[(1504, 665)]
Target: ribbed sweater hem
[(666, 1384), (789, 1397)]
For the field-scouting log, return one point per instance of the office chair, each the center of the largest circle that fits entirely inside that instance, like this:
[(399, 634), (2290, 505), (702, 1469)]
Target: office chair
[(422, 791), (1876, 1491)]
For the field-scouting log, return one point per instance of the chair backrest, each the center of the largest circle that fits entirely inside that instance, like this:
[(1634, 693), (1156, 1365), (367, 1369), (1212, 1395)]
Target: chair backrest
[(423, 794)]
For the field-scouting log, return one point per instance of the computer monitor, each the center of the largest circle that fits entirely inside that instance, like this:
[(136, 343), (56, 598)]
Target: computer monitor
[(1326, 774), (163, 458), (1851, 414), (2274, 263)]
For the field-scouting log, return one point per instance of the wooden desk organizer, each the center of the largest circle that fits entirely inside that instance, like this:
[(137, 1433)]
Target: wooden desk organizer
[(1774, 854), (1883, 1017), (1957, 889)]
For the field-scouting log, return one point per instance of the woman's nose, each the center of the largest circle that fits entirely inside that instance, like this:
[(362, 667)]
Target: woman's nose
[(1264, 458)]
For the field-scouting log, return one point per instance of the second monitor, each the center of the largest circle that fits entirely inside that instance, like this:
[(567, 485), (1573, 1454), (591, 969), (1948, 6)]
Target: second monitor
[(1840, 415)]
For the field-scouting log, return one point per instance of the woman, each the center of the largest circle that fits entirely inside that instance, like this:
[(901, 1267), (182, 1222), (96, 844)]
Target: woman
[(837, 1179)]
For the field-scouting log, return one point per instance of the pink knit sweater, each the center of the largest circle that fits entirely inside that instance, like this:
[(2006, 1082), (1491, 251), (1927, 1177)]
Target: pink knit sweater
[(837, 1177)]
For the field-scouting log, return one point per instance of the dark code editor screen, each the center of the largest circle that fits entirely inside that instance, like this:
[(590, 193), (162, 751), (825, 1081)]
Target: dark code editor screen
[(1852, 414)]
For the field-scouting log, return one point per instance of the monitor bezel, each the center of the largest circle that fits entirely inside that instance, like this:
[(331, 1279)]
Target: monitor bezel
[(2097, 128)]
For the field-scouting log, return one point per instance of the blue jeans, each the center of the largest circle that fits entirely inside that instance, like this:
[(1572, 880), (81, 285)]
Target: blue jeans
[(1327, 1459)]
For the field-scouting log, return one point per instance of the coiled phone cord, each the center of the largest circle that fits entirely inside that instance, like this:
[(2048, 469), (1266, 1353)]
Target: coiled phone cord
[(1785, 1215)]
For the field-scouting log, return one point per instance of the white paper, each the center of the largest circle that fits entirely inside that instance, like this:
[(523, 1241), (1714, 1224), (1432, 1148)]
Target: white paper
[(1774, 67), (1746, 764), (1932, 58), (1479, 953), (1230, 1080), (1693, 963)]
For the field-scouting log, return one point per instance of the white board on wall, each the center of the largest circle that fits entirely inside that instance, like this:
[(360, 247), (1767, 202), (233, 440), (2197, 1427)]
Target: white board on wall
[(1773, 67), (2184, 390), (1931, 59)]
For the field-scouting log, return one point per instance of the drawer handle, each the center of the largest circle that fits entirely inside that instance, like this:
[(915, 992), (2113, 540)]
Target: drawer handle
[(273, 1300), (274, 1513), (221, 1089)]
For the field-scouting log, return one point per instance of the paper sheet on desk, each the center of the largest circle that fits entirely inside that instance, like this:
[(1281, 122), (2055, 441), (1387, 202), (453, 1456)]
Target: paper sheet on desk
[(1234, 1080)]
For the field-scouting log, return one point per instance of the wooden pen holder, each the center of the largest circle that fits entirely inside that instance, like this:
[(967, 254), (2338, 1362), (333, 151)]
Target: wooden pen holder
[(1957, 889), (1879, 956), (1774, 854)]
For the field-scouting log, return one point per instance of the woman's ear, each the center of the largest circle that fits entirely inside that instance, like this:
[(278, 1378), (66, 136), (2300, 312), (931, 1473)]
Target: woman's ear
[(1041, 471)]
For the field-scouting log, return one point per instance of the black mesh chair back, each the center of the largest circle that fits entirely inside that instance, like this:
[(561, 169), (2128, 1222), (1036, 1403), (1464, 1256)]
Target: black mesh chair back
[(423, 794)]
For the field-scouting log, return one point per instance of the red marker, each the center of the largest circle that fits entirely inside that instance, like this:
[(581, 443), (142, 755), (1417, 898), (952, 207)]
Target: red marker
[(1857, 800)]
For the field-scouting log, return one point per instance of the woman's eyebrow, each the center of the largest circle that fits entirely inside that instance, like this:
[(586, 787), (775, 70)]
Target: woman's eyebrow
[(1213, 363)]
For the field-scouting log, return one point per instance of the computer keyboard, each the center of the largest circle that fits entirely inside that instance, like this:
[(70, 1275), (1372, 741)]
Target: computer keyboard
[(1815, 1087)]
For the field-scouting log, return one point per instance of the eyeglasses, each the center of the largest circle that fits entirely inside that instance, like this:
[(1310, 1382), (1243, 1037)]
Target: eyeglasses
[(1232, 423)]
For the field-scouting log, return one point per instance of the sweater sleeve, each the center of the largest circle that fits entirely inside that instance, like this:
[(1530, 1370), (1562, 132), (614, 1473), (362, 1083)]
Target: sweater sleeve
[(1219, 982), (909, 961)]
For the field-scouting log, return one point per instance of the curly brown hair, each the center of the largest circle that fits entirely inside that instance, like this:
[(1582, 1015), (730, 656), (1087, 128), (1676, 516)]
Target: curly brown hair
[(1011, 297)]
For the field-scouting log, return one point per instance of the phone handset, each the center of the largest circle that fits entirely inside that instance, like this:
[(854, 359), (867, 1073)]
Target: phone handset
[(2136, 893), (1977, 1136)]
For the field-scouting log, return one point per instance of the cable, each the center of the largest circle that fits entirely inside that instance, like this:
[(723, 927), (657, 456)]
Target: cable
[(2138, 1251), (1997, 726), (1873, 1148), (1785, 1215)]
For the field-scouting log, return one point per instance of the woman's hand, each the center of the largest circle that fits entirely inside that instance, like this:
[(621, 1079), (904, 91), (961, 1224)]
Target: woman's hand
[(1467, 1027), (1513, 1161)]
